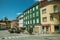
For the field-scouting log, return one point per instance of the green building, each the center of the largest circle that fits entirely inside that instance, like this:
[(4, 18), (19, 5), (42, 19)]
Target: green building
[(32, 17)]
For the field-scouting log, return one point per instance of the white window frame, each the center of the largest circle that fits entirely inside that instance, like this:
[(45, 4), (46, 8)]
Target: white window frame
[(37, 7), (26, 17), (33, 8), (30, 16), (37, 20), (33, 14), (34, 21), (37, 13), (28, 22), (28, 11)]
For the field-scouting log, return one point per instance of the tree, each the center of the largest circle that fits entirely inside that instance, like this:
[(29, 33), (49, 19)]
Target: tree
[(5, 19)]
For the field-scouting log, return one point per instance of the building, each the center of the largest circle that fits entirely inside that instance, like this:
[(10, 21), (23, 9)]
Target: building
[(32, 18), (14, 24), (20, 20), (2, 23), (50, 16), (6, 24)]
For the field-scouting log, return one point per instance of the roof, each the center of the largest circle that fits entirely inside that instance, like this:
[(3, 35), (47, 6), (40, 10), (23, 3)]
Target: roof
[(50, 2), (3, 23), (19, 15)]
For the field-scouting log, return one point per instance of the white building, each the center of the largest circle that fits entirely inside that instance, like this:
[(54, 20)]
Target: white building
[(20, 20)]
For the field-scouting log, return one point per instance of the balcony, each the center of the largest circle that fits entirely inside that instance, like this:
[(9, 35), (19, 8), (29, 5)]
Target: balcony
[(55, 13)]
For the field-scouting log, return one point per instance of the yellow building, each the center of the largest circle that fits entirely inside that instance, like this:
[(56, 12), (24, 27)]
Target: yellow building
[(50, 17)]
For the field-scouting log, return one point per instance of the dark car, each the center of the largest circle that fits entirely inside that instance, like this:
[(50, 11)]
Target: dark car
[(14, 30), (17, 31)]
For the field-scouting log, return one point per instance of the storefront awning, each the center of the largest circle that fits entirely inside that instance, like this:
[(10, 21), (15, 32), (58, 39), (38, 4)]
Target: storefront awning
[(46, 25)]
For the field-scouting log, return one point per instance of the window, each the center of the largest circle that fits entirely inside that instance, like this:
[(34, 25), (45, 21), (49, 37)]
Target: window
[(44, 11), (24, 13), (37, 13), (44, 19), (56, 28), (34, 21), (26, 22), (37, 7), (47, 28), (30, 22), (55, 9), (42, 27), (51, 18), (59, 17), (30, 16), (30, 10), (33, 14), (33, 8), (26, 17), (37, 20)]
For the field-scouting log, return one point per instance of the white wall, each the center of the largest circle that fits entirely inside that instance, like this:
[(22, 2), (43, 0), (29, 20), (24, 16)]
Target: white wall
[(21, 23)]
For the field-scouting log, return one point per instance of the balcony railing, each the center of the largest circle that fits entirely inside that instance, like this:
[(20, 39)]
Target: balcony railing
[(55, 13)]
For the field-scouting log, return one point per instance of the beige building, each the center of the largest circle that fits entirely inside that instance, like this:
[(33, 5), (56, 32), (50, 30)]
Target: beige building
[(50, 17)]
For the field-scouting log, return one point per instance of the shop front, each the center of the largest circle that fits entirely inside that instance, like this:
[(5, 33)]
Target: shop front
[(45, 28)]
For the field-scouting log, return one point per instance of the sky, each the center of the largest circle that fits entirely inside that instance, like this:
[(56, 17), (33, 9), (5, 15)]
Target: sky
[(12, 8)]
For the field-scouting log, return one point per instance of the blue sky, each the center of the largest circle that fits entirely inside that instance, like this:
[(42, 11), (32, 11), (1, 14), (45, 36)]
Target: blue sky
[(12, 8)]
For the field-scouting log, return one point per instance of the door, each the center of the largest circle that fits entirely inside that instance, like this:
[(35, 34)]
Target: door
[(47, 29)]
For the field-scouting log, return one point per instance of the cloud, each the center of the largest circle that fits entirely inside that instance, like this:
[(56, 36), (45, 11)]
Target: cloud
[(18, 13)]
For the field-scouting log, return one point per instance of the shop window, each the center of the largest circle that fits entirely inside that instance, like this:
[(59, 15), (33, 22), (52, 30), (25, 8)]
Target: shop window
[(56, 28), (43, 27)]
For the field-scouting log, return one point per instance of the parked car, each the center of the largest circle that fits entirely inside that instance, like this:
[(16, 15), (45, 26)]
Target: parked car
[(14, 30), (17, 31)]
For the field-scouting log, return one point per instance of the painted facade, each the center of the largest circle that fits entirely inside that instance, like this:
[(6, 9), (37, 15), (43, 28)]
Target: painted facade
[(14, 24), (50, 17), (32, 17)]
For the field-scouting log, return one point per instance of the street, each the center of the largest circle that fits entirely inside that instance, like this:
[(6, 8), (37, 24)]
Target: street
[(5, 35)]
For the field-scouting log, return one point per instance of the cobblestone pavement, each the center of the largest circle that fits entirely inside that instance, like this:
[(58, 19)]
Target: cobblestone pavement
[(5, 35)]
